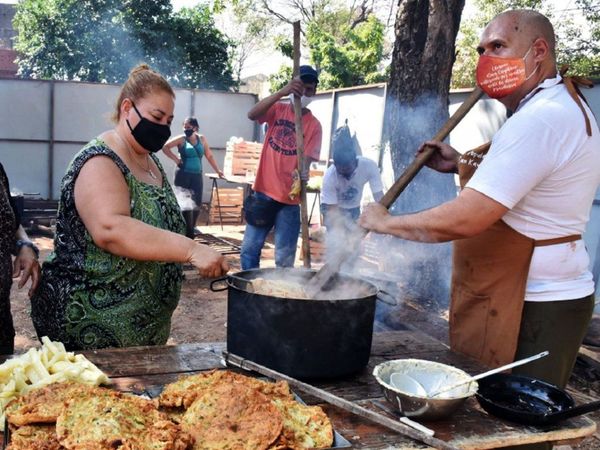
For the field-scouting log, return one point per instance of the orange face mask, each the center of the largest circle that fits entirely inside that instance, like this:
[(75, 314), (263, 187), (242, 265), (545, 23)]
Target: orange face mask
[(499, 77)]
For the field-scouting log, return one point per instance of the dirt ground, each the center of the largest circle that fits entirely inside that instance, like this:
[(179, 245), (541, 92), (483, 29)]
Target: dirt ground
[(201, 317)]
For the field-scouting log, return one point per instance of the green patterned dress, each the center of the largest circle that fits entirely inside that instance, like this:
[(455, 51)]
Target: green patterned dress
[(89, 298)]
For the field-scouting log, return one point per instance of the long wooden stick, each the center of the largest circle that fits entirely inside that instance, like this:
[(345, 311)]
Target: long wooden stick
[(322, 277), (245, 364), (300, 152)]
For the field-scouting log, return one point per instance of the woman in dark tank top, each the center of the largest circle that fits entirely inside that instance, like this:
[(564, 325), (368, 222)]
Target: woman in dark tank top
[(191, 147)]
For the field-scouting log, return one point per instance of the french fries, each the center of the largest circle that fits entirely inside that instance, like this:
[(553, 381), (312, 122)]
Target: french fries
[(39, 367)]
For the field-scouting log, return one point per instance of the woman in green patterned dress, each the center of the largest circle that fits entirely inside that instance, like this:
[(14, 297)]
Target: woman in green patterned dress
[(114, 277)]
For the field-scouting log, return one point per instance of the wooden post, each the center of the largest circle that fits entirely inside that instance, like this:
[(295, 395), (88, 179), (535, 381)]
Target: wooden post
[(300, 152)]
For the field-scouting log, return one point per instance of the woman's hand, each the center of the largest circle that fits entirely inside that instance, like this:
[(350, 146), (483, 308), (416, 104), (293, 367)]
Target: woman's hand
[(26, 266), (210, 263), (220, 173), (444, 159), (374, 217)]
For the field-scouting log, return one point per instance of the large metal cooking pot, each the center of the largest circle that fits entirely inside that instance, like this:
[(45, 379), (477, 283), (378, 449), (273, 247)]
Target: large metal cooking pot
[(319, 338), (529, 401)]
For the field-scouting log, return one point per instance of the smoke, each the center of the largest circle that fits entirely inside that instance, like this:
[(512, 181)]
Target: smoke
[(419, 272), (184, 198)]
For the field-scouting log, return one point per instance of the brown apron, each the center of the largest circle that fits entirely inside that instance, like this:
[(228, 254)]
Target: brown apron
[(488, 284)]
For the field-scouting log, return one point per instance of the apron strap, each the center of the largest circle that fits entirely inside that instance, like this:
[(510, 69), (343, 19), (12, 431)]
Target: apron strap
[(558, 240), (572, 84)]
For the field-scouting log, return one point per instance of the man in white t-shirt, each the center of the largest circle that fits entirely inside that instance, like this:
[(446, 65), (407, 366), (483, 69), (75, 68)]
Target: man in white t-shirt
[(521, 282), (344, 182)]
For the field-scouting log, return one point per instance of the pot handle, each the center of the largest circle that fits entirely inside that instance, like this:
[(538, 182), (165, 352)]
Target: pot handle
[(575, 411), (383, 295), (219, 280)]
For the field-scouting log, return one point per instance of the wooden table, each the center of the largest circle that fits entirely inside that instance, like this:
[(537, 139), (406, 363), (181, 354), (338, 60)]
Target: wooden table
[(247, 183), (149, 368)]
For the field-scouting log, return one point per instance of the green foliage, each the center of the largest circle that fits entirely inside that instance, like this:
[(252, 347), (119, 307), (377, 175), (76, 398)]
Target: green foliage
[(574, 48), (101, 40), (346, 45), (580, 51), (246, 28), (285, 46), (202, 48), (347, 56), (281, 78)]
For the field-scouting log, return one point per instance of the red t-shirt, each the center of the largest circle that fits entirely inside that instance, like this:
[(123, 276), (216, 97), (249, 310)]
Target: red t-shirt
[(278, 159)]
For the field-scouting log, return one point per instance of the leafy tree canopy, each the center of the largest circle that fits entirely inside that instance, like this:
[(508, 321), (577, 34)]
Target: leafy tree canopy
[(352, 57), (580, 50), (346, 45), (102, 40)]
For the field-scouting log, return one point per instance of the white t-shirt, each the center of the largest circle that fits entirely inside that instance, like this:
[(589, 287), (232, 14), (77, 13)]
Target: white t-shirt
[(544, 167), (347, 193)]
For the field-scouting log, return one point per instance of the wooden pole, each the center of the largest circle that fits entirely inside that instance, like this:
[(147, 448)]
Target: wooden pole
[(300, 152)]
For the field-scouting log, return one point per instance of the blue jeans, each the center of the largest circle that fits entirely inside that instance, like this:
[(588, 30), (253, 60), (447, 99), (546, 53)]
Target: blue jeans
[(287, 229)]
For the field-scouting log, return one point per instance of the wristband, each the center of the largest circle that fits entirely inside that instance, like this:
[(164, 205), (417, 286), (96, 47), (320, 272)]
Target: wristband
[(21, 243)]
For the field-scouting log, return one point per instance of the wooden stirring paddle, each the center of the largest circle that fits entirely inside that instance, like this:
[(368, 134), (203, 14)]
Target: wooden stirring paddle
[(331, 268)]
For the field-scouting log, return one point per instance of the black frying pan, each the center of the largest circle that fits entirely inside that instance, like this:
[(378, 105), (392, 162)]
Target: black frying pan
[(528, 401)]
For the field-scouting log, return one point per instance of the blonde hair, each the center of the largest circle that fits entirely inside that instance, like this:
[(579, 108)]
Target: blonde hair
[(141, 82)]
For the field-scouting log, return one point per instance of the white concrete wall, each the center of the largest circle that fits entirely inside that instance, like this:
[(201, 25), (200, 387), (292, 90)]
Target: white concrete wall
[(83, 110)]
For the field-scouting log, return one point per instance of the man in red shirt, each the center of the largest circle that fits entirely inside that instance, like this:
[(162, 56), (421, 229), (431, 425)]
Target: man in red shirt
[(271, 205)]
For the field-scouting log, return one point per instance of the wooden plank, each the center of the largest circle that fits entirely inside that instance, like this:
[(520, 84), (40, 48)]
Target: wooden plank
[(137, 361), (245, 157), (226, 205)]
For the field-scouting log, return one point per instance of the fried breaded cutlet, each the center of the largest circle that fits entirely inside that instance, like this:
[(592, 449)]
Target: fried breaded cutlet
[(303, 426), (186, 389), (232, 416), (114, 420), (34, 437), (43, 405)]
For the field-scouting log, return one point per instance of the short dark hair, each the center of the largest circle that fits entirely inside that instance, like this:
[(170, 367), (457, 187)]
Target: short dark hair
[(192, 121)]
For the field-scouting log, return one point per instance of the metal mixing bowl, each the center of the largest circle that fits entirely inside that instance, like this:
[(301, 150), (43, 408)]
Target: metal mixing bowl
[(432, 376)]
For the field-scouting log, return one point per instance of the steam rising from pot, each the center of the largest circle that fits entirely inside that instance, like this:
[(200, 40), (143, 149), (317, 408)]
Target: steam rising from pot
[(184, 198)]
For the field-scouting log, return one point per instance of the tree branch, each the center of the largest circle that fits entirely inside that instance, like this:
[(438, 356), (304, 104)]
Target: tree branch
[(275, 13), (364, 10)]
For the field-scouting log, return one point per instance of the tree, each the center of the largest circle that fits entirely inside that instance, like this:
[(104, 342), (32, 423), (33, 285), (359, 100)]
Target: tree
[(580, 50), (101, 40), (248, 29), (417, 107), (203, 51), (352, 57), (345, 43)]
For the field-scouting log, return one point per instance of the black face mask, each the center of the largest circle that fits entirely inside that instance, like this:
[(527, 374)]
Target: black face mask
[(188, 132), (152, 136)]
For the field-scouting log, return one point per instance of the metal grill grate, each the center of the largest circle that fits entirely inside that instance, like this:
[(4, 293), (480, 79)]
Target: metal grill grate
[(221, 245)]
